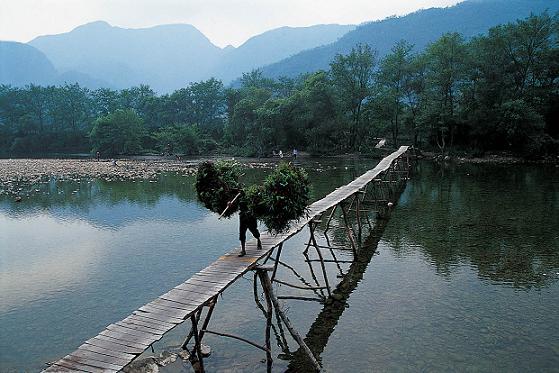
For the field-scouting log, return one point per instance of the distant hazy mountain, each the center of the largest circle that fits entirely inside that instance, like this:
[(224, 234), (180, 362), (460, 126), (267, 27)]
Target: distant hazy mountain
[(21, 64), (170, 56), (166, 57), (273, 46), (469, 18)]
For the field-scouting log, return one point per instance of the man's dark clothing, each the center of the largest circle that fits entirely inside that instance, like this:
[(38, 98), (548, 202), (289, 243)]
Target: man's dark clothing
[(247, 221)]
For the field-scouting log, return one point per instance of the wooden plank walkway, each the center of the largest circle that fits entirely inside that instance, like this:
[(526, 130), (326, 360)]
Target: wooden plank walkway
[(121, 342)]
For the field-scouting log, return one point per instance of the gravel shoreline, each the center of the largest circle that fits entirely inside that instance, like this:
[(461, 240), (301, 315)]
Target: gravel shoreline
[(17, 171)]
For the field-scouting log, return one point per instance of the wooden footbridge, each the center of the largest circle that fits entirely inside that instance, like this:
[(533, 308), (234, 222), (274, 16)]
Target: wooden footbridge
[(122, 342)]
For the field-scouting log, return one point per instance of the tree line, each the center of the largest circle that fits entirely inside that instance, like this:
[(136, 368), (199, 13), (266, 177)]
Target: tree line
[(495, 92)]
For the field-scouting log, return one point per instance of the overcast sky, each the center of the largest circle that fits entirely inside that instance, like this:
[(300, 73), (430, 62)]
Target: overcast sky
[(222, 21)]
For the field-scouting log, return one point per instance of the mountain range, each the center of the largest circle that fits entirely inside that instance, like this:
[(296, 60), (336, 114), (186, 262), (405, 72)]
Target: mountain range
[(169, 57)]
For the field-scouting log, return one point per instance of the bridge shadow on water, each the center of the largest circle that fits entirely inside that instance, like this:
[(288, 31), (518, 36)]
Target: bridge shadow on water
[(323, 326)]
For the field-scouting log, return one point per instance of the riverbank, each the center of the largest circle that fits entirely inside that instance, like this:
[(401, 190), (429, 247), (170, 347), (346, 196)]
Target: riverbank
[(501, 158), (16, 171)]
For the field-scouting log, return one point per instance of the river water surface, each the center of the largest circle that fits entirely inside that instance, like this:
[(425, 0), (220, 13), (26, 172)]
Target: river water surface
[(462, 277)]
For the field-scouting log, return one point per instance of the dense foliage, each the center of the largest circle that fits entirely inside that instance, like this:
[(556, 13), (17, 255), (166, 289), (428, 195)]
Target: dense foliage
[(284, 195), (497, 92), (217, 184)]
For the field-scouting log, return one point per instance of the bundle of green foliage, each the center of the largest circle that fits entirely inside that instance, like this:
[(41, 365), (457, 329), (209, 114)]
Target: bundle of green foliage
[(217, 184), (283, 197)]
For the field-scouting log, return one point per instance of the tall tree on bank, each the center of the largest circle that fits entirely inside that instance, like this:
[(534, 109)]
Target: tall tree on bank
[(393, 82), (447, 60), (353, 76)]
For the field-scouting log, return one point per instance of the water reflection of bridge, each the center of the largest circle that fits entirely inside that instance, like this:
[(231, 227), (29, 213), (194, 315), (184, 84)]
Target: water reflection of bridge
[(350, 206)]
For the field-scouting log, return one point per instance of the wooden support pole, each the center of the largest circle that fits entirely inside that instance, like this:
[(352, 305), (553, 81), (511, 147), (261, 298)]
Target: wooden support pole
[(263, 275), (313, 275), (348, 229), (197, 347), (281, 337), (332, 253), (276, 262), (191, 333), (211, 307), (330, 219), (330, 261), (358, 215), (324, 274), (268, 285), (301, 278), (300, 298), (236, 337), (301, 287)]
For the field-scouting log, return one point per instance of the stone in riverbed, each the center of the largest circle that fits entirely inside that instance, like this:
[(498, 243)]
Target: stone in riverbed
[(166, 358), (184, 355), (205, 349)]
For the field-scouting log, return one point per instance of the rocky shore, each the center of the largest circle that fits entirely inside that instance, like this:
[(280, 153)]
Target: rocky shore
[(16, 171)]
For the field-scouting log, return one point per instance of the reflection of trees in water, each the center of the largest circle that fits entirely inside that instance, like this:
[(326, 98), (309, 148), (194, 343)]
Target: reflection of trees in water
[(85, 192), (500, 219)]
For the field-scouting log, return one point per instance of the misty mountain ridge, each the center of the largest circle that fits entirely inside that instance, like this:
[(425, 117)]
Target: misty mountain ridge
[(168, 57)]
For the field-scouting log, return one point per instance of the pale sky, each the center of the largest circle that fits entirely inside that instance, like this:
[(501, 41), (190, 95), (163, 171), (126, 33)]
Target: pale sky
[(222, 21)]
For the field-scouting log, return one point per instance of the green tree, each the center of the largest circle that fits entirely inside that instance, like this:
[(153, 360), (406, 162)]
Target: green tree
[(181, 138), (352, 76), (394, 78), (447, 62), (120, 132)]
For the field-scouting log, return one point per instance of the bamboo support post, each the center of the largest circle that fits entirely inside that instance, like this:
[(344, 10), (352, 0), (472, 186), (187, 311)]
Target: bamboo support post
[(197, 346), (301, 287), (333, 255), (236, 337), (211, 307), (301, 278), (300, 298), (313, 275), (324, 274), (348, 229), (263, 275), (330, 219), (276, 262), (268, 285), (191, 333)]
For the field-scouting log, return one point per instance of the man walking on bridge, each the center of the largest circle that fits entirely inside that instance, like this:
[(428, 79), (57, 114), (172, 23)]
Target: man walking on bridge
[(247, 221)]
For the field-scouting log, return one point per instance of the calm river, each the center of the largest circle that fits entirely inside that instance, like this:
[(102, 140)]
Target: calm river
[(464, 277)]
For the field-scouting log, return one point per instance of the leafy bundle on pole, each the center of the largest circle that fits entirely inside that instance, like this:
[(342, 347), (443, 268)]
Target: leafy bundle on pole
[(283, 196), (217, 184)]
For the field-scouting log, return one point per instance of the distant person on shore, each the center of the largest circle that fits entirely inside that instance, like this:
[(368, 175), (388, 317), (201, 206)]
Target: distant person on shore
[(294, 153), (98, 155), (280, 154)]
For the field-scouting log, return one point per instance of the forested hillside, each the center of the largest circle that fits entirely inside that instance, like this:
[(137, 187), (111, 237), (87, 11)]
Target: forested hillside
[(498, 92), (469, 18)]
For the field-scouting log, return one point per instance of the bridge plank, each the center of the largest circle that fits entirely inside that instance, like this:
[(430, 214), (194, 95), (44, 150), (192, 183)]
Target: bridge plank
[(115, 345), (104, 351), (95, 356), (171, 320), (137, 325)]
